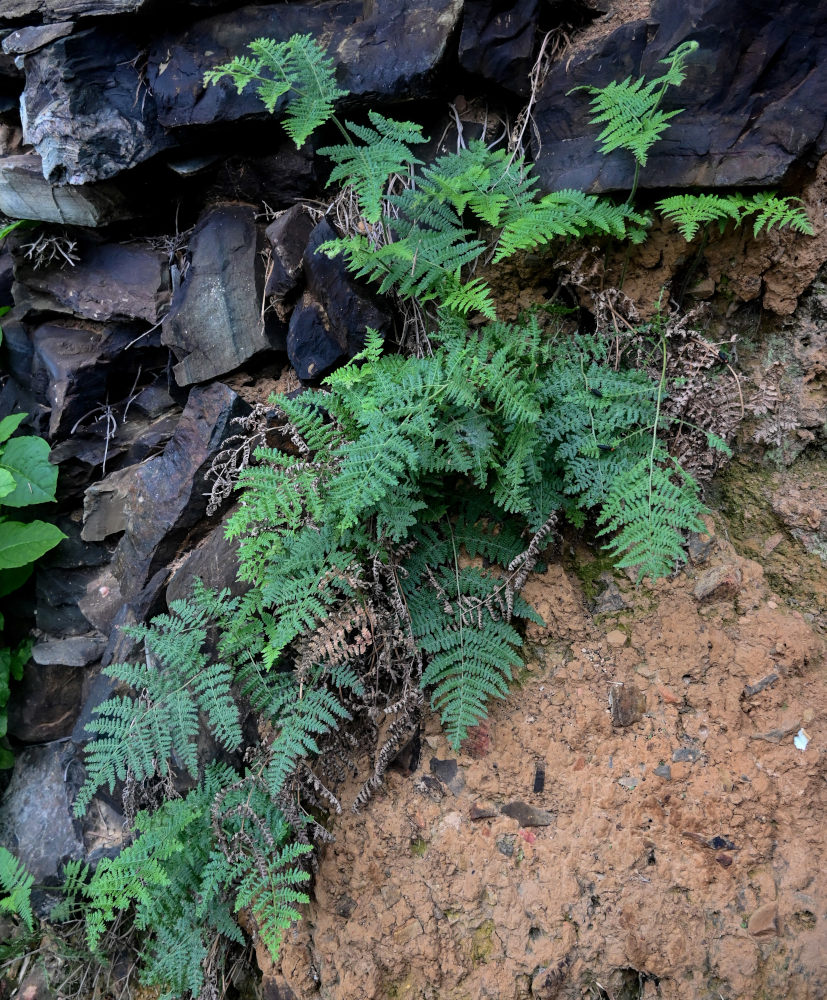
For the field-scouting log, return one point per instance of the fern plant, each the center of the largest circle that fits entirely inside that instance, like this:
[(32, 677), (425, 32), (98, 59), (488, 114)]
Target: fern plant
[(630, 111), (690, 212), (385, 547), (16, 888)]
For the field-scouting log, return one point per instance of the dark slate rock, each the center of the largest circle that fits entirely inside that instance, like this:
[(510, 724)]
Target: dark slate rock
[(58, 10), (154, 401), (17, 347), (391, 53), (78, 366), (527, 815), (58, 593), (627, 703), (35, 818), (101, 601), (687, 755), (167, 494), (85, 108), (6, 279), (448, 773), (215, 323), (87, 454), (753, 97), (140, 607), (110, 281), (32, 38), (214, 561), (43, 705), (288, 236), (664, 771), (99, 689), (76, 651), (348, 306), (26, 194), (312, 348), (280, 177), (497, 42)]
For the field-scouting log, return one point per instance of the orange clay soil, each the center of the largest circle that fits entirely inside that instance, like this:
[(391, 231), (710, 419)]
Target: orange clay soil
[(680, 851)]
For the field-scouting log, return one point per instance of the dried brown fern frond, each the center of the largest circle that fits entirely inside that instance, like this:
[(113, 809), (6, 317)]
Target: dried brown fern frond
[(234, 457)]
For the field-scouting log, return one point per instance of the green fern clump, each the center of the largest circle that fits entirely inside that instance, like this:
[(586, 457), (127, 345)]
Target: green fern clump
[(194, 862), (16, 888), (297, 70), (630, 109), (389, 542), (690, 212), (176, 680)]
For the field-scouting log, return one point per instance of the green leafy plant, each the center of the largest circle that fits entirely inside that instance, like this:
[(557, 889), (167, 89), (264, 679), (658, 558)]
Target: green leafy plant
[(26, 478), (384, 546), (15, 888), (630, 111), (690, 212)]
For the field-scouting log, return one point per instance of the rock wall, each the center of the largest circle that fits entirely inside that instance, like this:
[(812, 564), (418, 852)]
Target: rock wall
[(172, 281)]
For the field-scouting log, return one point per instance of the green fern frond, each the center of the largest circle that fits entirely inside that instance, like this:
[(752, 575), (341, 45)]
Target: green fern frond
[(648, 509), (774, 212), (16, 888), (486, 181), (369, 167), (630, 108), (298, 70), (568, 213), (471, 653), (689, 212), (143, 735)]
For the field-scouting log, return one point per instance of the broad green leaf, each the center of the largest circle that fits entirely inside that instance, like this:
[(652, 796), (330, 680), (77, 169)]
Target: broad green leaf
[(13, 579), (7, 483), (8, 425), (21, 544), (27, 459)]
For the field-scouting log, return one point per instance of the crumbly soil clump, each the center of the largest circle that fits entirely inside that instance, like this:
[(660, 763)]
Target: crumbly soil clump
[(636, 821)]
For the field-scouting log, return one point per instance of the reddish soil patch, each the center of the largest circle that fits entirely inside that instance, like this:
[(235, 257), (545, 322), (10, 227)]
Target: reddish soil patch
[(681, 856)]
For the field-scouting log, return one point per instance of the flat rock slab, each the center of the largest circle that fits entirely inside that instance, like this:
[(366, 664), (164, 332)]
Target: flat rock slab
[(753, 98), (109, 281), (44, 705), (348, 305), (26, 194), (167, 494), (214, 561), (391, 53), (85, 108), (58, 10), (287, 236), (76, 651), (215, 321), (35, 817), (497, 42), (74, 366), (527, 815), (31, 39)]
